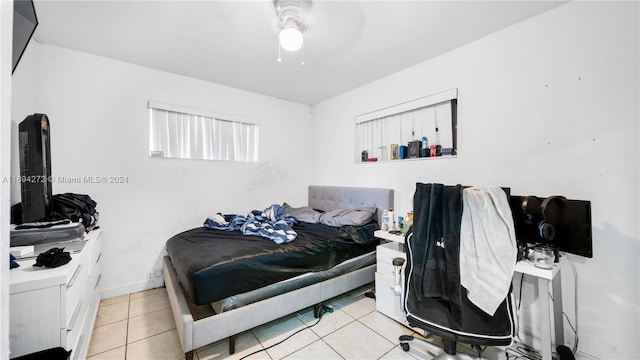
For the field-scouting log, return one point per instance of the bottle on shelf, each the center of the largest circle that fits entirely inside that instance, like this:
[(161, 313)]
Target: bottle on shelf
[(384, 226), (407, 222), (438, 145), (391, 220), (425, 147)]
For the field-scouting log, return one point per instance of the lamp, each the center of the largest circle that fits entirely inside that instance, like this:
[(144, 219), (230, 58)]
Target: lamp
[(291, 39), (292, 22)]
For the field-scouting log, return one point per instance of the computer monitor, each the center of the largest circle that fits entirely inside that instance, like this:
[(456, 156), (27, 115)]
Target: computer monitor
[(570, 221)]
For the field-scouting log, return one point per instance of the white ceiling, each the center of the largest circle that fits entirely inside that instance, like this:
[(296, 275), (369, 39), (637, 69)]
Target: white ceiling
[(349, 44)]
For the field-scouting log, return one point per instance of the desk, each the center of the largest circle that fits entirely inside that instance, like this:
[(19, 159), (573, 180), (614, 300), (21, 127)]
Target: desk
[(545, 278)]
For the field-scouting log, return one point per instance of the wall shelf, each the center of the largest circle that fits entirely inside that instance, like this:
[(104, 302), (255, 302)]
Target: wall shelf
[(396, 133), (410, 159)]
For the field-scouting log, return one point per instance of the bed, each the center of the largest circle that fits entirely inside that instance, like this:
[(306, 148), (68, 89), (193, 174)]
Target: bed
[(195, 290)]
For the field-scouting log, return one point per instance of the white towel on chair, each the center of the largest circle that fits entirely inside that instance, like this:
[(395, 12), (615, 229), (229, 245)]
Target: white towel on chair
[(488, 247)]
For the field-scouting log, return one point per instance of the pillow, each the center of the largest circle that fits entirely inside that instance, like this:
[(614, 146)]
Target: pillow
[(342, 217), (304, 214)]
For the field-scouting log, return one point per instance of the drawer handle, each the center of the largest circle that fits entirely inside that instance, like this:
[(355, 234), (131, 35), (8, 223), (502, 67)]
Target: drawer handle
[(98, 281), (75, 276), (76, 312), (98, 259)]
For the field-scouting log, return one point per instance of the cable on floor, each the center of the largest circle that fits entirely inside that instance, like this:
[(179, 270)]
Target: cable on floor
[(324, 309), (522, 351)]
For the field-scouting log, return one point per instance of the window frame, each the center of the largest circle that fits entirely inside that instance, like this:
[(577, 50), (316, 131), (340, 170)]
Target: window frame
[(192, 144)]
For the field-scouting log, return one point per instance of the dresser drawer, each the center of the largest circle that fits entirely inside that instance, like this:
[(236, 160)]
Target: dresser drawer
[(387, 252), (74, 295), (96, 256), (386, 270), (96, 261), (387, 301), (35, 321), (71, 334)]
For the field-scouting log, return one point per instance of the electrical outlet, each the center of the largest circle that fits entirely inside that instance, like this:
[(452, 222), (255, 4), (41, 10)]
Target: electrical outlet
[(155, 274)]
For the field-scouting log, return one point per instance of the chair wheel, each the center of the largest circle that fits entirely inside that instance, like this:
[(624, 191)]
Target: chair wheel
[(405, 347)]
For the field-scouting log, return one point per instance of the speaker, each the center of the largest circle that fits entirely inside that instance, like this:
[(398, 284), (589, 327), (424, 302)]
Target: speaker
[(35, 168), (414, 149)]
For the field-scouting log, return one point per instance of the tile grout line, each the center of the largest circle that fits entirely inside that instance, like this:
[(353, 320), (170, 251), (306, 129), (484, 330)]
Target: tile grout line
[(126, 341), (96, 327)]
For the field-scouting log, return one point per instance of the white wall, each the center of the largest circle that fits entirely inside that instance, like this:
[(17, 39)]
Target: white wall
[(99, 127), (548, 106), (23, 103)]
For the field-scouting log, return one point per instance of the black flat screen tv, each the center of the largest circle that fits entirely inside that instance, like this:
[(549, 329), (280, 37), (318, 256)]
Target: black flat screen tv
[(571, 220), (25, 22)]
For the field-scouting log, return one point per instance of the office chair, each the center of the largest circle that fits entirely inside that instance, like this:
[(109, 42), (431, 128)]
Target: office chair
[(433, 298)]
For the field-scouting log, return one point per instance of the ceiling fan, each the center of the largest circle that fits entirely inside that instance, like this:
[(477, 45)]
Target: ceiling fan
[(292, 21)]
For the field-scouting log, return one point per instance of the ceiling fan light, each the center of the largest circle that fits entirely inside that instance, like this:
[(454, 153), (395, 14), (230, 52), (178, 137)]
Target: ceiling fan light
[(291, 39)]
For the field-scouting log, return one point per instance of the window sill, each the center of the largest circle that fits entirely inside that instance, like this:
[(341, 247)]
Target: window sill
[(409, 159)]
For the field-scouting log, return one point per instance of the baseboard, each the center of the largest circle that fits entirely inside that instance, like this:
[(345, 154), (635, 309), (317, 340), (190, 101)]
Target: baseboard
[(128, 289), (581, 355)]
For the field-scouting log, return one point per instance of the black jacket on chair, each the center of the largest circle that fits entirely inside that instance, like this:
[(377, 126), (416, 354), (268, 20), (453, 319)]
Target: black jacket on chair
[(434, 300), (436, 243)]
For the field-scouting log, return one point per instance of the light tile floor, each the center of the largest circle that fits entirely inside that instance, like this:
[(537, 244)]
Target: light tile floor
[(140, 326)]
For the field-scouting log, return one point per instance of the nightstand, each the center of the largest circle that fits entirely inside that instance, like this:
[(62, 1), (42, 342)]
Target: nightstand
[(388, 296)]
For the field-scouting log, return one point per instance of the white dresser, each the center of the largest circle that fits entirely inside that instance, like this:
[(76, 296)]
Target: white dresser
[(55, 307)]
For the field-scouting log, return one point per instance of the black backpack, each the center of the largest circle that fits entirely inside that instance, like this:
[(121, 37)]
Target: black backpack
[(75, 207)]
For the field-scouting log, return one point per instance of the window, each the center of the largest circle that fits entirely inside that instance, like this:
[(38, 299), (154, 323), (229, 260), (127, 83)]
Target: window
[(380, 133), (185, 133)]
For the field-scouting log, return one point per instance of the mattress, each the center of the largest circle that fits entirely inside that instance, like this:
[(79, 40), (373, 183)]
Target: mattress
[(212, 265), (236, 301)]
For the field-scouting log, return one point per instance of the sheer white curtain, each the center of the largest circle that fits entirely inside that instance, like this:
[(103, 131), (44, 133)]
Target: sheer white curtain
[(191, 136)]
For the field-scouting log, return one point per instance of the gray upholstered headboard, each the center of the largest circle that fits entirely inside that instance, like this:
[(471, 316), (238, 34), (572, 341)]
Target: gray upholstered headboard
[(328, 198)]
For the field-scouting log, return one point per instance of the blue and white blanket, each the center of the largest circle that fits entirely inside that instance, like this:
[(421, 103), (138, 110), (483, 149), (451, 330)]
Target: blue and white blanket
[(272, 223)]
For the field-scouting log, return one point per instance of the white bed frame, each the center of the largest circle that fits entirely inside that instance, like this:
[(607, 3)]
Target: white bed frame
[(196, 333)]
